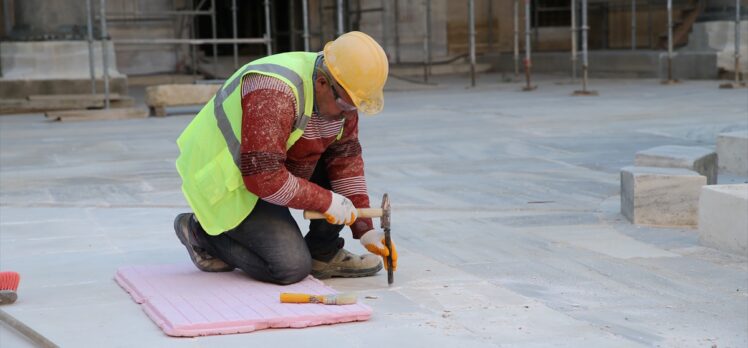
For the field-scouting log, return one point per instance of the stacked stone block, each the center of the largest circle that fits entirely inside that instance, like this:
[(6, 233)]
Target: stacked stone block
[(732, 149), (723, 218), (698, 159), (661, 196)]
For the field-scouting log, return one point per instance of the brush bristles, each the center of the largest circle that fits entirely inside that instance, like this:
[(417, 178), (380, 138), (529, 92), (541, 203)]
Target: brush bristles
[(9, 280), (341, 299)]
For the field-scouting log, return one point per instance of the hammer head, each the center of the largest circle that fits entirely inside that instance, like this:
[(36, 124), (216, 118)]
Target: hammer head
[(385, 219)]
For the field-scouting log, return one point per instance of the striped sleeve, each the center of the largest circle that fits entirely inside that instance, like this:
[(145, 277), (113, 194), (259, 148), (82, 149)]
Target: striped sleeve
[(345, 169), (268, 113), (284, 194), (350, 186)]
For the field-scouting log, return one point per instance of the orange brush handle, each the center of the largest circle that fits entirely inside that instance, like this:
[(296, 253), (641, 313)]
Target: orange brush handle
[(287, 297)]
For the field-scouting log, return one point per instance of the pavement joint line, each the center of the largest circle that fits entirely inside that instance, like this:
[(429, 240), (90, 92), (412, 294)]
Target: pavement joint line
[(26, 331)]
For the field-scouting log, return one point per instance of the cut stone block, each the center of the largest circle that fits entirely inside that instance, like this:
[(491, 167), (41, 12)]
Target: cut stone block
[(732, 149), (698, 159), (660, 196), (723, 217), (158, 97)]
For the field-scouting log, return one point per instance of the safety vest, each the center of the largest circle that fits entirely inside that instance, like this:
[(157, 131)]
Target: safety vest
[(209, 147)]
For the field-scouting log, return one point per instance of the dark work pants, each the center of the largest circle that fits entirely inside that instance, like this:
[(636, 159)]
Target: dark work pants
[(268, 244)]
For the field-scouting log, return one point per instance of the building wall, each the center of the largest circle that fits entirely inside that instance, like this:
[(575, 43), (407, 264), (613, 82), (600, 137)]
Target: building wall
[(146, 58), (610, 26), (411, 26)]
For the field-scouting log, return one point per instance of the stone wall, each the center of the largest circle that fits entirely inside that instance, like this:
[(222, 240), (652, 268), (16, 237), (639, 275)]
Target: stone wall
[(143, 59), (719, 37)]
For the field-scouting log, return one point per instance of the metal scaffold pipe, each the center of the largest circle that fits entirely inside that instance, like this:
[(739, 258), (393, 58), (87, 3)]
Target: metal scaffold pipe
[(471, 14), (292, 25), (385, 24), (104, 53), (585, 57), (305, 14), (738, 83), (427, 41), (193, 49), (585, 29), (188, 41), (340, 17), (89, 29), (633, 25), (516, 39), (669, 43), (737, 41), (490, 25), (268, 33), (528, 55), (670, 40), (320, 23), (235, 34), (397, 31), (573, 40), (214, 32)]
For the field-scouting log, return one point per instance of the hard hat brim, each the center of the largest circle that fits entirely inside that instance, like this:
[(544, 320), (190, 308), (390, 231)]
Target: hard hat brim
[(372, 106)]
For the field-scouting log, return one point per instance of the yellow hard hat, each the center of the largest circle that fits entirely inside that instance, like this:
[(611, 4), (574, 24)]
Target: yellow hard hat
[(359, 65)]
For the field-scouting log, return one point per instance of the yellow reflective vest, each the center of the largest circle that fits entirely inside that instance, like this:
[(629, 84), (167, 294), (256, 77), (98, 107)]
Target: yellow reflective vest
[(209, 147)]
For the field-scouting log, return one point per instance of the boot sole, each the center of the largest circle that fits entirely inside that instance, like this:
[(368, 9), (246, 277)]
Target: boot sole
[(184, 240), (341, 273)]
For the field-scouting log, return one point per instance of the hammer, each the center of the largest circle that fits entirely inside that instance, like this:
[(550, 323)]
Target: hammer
[(384, 218)]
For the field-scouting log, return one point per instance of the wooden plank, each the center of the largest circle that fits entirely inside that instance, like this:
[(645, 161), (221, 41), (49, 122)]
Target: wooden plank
[(178, 95), (162, 79), (25, 106), (90, 115), (53, 97)]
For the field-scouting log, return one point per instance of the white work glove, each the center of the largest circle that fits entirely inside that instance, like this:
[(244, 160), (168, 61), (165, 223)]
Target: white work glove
[(341, 211), (374, 242)]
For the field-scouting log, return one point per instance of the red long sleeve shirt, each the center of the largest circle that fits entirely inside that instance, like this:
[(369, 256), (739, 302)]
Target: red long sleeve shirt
[(282, 177)]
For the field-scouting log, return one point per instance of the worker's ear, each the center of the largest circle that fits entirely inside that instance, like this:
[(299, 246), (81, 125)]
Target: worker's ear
[(321, 79)]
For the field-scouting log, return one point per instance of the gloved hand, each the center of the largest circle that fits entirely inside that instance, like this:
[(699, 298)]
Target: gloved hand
[(341, 211), (374, 242)]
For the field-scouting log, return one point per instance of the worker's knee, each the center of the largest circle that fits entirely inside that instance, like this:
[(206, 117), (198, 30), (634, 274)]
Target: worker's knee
[(291, 271)]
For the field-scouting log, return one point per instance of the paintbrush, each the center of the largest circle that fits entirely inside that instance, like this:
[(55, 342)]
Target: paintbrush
[(331, 299)]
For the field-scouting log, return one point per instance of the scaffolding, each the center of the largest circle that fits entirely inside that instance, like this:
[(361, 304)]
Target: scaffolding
[(347, 15), (105, 16)]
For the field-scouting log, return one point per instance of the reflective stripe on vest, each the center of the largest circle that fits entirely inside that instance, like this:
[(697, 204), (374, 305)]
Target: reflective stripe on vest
[(223, 121)]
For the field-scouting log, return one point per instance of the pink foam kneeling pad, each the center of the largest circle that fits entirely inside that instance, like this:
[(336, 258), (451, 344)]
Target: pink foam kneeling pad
[(184, 301)]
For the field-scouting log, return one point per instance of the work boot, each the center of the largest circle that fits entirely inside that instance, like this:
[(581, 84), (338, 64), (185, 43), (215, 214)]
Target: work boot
[(347, 265), (200, 257)]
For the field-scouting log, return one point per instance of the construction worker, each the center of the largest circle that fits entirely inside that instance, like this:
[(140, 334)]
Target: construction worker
[(282, 132)]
